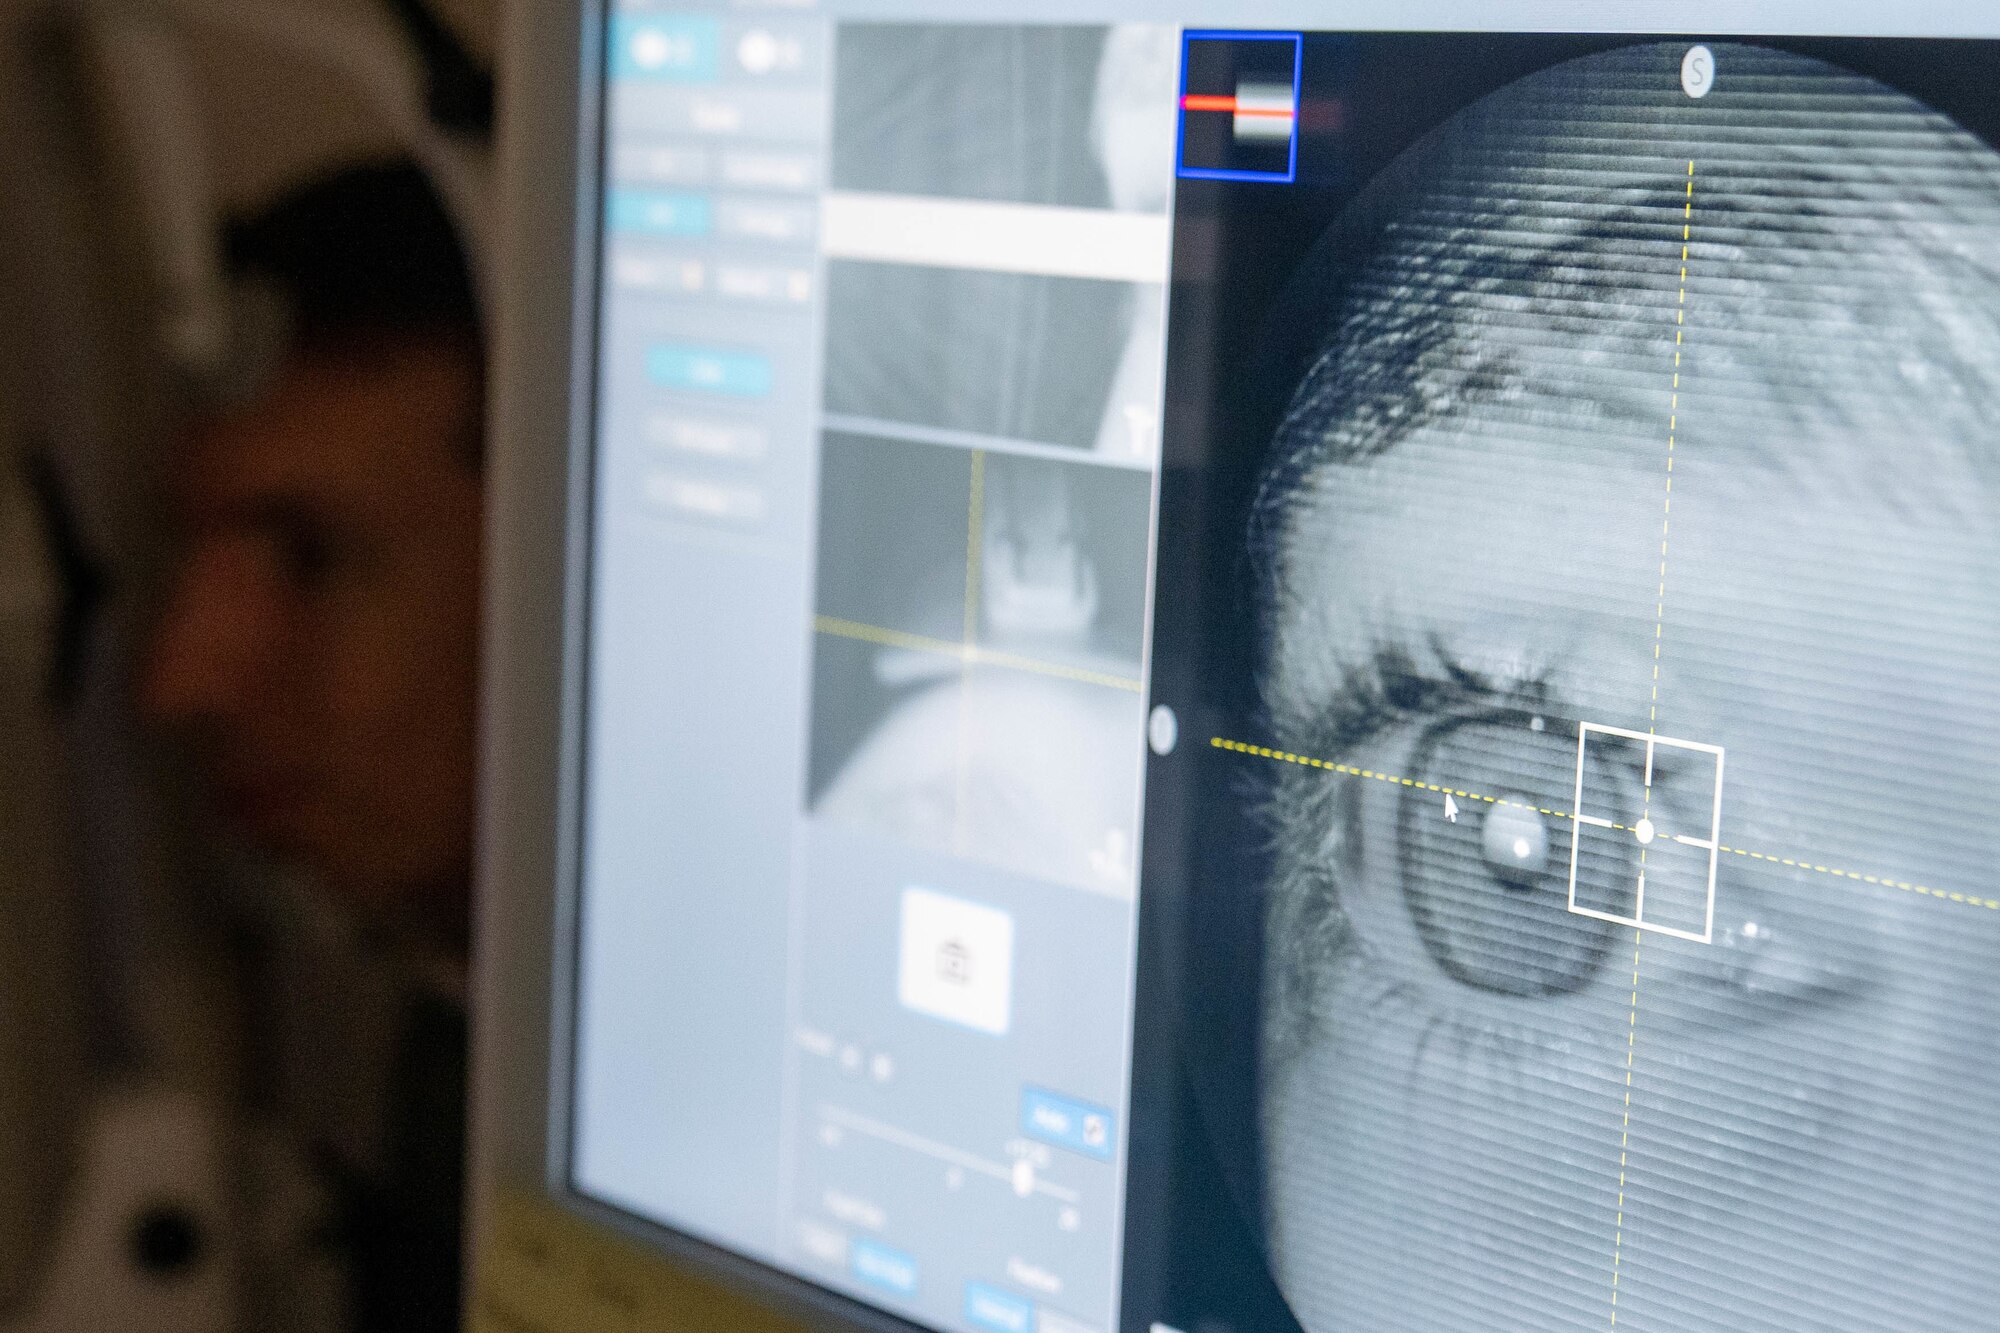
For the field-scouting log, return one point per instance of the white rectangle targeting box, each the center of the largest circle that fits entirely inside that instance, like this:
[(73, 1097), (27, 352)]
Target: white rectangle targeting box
[(1705, 839)]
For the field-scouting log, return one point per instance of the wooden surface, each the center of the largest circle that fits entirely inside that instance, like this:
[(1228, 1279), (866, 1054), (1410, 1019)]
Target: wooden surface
[(544, 1271)]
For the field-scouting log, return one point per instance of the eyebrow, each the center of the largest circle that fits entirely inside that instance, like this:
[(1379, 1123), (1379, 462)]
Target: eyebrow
[(1389, 686)]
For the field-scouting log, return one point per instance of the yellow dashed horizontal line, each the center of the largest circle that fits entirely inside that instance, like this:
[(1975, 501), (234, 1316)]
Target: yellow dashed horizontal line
[(1393, 780), (1991, 904), (1307, 761), (972, 654)]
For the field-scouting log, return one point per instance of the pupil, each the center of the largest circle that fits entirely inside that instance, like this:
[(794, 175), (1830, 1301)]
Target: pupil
[(1515, 842)]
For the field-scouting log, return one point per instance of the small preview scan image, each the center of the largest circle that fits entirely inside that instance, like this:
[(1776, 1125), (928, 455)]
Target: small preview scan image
[(996, 298)]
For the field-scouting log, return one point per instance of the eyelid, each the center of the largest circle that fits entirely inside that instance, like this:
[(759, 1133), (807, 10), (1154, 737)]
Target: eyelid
[(1390, 689), (1521, 706), (1491, 932)]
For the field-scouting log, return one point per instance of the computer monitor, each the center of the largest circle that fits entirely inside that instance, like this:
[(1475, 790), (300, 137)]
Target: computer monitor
[(1242, 667)]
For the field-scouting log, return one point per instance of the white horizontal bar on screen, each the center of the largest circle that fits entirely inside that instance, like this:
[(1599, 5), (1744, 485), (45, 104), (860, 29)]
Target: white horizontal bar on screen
[(1002, 238)]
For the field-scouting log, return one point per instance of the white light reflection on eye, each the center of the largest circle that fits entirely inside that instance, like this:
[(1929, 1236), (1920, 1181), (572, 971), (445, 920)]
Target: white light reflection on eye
[(1515, 841)]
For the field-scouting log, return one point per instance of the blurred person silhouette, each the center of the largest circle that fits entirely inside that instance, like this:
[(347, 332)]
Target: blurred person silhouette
[(316, 649)]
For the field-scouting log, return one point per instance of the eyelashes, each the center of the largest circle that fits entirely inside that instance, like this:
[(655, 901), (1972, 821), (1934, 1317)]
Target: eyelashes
[(1461, 928)]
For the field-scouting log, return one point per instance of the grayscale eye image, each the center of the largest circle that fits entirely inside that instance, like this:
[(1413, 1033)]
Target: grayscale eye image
[(992, 413), (1029, 317), (1010, 355), (1589, 620), (976, 655)]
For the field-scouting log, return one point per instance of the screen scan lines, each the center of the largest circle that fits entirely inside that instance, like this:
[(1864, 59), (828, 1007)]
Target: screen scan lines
[(1463, 794), (1643, 832)]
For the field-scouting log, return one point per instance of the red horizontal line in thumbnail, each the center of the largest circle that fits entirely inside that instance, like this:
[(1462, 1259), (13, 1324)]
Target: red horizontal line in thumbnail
[(1216, 102)]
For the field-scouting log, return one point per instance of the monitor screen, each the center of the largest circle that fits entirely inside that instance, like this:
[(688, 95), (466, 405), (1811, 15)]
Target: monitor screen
[(1253, 678)]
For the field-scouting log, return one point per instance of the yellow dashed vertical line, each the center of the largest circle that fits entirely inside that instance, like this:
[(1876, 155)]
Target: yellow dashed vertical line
[(1673, 430), (974, 517), (974, 540), (1652, 721), (1625, 1129)]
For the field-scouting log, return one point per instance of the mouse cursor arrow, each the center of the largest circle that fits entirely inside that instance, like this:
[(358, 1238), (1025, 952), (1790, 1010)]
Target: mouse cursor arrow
[(1450, 809)]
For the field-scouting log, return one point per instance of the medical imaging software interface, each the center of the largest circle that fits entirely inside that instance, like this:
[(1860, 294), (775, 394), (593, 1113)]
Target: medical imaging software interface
[(1249, 679)]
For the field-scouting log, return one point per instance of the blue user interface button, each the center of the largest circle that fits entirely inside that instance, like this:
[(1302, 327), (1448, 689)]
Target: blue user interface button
[(880, 1266), (1067, 1123), (665, 48), (658, 213), (706, 370), (1001, 1311)]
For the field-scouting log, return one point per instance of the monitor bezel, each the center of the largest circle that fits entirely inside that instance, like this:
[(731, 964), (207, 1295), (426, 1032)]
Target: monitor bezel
[(540, 483)]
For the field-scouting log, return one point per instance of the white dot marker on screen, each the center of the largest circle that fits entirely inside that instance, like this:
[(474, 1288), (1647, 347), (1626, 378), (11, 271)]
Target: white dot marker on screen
[(1644, 831), (1163, 730), (757, 52), (650, 50), (1024, 1177), (1697, 71)]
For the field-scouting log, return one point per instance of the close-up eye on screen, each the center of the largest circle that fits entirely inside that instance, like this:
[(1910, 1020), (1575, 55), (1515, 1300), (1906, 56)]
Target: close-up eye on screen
[(1229, 676), (1594, 475)]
